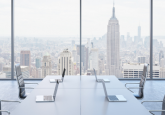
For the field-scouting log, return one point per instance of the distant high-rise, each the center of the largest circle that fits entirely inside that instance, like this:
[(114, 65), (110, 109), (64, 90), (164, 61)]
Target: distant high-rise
[(146, 42), (25, 58), (65, 61), (73, 44), (83, 53), (122, 41), (46, 65), (113, 41), (74, 54), (141, 59), (139, 32), (161, 55), (94, 59), (38, 62)]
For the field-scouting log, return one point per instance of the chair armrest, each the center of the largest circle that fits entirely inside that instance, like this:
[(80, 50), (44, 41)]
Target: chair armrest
[(30, 83), (26, 87), (131, 83), (151, 101), (130, 90), (9, 101), (5, 111), (155, 111)]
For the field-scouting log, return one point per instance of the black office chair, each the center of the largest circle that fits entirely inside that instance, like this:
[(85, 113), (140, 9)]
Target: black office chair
[(21, 84), (163, 106), (140, 94), (6, 110)]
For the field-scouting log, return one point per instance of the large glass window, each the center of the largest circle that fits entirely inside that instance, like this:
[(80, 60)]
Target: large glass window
[(158, 39), (5, 39), (46, 37), (115, 37)]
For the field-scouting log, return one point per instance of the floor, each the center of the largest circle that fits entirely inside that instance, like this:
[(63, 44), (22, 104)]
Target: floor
[(154, 90)]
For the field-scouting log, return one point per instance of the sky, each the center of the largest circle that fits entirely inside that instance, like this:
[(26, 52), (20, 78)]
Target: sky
[(60, 18)]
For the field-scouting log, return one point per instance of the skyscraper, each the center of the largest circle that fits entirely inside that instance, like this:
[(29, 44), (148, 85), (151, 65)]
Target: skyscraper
[(74, 54), (139, 32), (113, 40), (38, 62), (83, 54), (141, 59), (65, 61), (46, 65), (94, 59), (161, 55), (25, 58)]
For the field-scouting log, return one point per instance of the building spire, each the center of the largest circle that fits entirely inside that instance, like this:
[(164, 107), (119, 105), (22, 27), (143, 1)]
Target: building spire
[(113, 11)]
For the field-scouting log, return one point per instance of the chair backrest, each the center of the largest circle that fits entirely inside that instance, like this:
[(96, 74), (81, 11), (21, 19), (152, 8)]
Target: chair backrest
[(63, 74), (20, 81), (143, 80), (95, 73), (163, 106)]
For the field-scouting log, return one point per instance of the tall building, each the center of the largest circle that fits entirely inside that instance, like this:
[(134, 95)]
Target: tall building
[(94, 59), (38, 62), (25, 59), (161, 55), (134, 70), (86, 58), (46, 66), (113, 42), (122, 41), (39, 73), (139, 32), (74, 54), (141, 59), (73, 44), (65, 61), (146, 42), (83, 54)]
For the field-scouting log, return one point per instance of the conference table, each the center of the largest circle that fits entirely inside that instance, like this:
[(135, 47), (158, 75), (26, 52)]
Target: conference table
[(80, 96)]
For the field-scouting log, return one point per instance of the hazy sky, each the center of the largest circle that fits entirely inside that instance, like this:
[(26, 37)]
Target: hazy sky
[(54, 18)]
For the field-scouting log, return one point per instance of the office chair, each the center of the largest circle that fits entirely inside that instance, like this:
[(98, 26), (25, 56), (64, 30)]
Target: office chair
[(21, 84), (140, 94), (63, 74), (163, 106), (6, 110)]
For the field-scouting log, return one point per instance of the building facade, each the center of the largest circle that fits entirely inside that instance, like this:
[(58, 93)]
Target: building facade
[(25, 59), (65, 61), (113, 46), (141, 59), (38, 62), (46, 66)]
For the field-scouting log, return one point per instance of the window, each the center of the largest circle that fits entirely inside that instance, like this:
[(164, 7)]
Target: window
[(5, 39), (115, 35), (45, 32), (158, 39)]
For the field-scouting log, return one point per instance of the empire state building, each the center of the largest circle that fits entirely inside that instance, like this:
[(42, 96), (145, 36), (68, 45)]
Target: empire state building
[(113, 47)]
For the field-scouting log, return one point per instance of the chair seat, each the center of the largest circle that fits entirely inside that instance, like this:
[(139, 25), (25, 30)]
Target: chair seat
[(137, 95), (24, 96)]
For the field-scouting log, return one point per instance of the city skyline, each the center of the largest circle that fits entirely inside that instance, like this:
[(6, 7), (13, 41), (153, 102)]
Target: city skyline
[(110, 54)]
